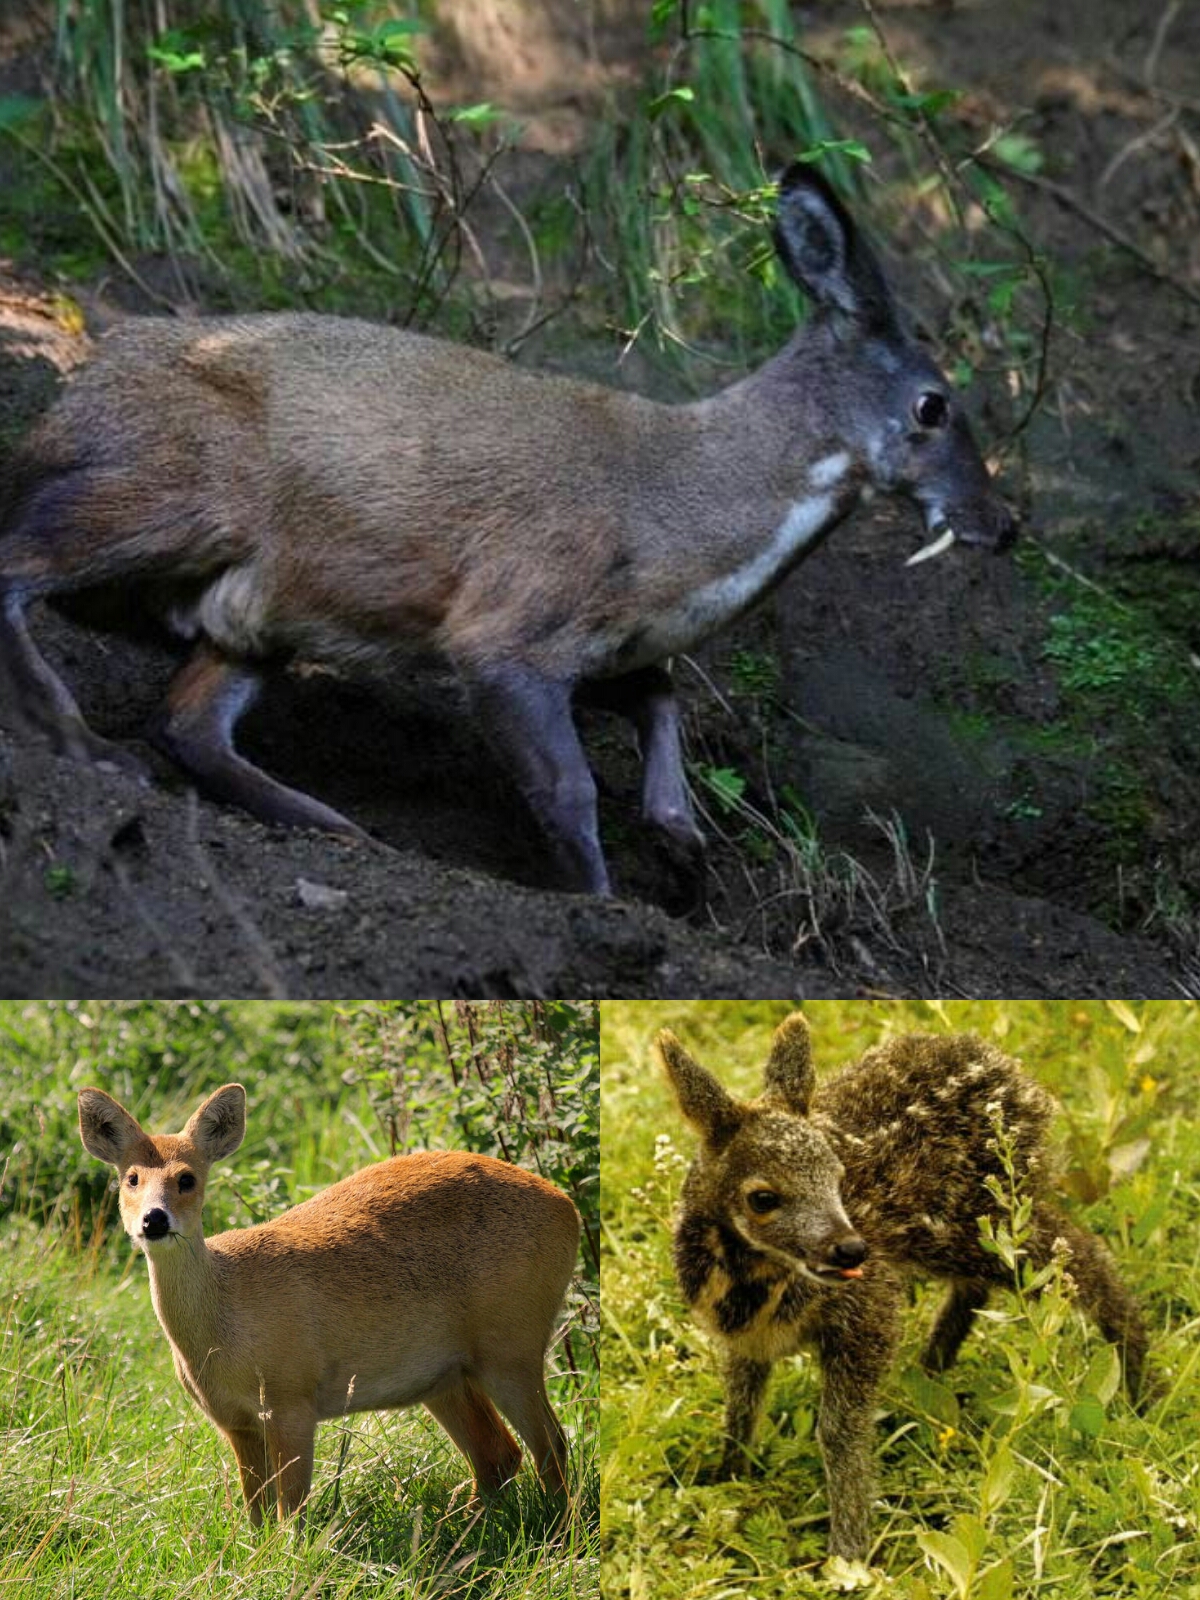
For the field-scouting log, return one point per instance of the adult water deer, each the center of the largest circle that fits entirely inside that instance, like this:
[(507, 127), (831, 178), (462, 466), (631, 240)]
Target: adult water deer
[(432, 1278), (302, 485), (806, 1211)]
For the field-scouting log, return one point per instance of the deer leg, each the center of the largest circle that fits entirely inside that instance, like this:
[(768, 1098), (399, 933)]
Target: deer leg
[(647, 698), (250, 1448), (42, 701), (520, 1392), (745, 1386), (856, 1351), (472, 1421), (204, 704), (953, 1323), (290, 1442), (1101, 1293), (528, 721)]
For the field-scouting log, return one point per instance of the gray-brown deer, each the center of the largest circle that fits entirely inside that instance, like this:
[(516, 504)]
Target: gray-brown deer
[(432, 1278), (298, 485), (806, 1211)]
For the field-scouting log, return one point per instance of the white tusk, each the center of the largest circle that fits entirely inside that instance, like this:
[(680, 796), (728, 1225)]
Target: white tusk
[(935, 547)]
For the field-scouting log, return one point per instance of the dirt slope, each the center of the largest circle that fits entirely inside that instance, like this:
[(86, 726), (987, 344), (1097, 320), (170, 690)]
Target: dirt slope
[(927, 693)]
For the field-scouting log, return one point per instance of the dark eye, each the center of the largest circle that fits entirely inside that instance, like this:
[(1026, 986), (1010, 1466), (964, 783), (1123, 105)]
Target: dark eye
[(931, 409), (186, 1182), (763, 1200), (131, 1180)]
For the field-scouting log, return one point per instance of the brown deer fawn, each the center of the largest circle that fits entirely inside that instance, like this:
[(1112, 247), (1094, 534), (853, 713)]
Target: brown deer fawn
[(807, 1209), (299, 485), (432, 1278)]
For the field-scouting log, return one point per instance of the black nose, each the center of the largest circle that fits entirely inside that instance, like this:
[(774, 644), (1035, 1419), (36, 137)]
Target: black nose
[(156, 1224), (848, 1252)]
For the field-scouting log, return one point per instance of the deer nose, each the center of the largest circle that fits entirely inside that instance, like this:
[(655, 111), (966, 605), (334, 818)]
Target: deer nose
[(156, 1224), (849, 1251)]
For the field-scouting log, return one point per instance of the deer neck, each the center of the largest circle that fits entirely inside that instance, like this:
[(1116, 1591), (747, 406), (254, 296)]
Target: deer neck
[(185, 1291)]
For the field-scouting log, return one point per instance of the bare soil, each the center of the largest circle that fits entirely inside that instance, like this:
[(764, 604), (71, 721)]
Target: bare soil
[(925, 693)]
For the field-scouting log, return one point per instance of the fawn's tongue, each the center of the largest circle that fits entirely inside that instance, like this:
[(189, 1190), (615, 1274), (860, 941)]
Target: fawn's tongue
[(850, 1272)]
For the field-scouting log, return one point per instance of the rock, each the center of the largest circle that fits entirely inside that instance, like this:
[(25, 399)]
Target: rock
[(319, 896)]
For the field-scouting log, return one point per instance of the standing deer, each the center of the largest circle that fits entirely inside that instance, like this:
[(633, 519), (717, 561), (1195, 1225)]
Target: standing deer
[(807, 1209), (298, 485), (432, 1278)]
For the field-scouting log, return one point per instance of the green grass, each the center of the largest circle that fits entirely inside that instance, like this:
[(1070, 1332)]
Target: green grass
[(1025, 1472), (111, 1481)]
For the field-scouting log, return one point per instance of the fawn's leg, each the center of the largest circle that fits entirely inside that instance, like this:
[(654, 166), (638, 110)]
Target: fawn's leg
[(250, 1448), (965, 1298), (856, 1348), (1101, 1293), (745, 1386)]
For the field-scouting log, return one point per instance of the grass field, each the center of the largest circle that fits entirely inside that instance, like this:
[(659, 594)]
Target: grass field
[(112, 1483), (1025, 1472)]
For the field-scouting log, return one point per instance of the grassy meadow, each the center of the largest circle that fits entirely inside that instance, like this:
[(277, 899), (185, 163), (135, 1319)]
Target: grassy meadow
[(1025, 1472), (112, 1482)]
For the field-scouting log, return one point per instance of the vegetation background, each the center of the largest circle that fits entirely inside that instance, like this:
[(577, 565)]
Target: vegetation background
[(1024, 1471), (970, 776), (111, 1480)]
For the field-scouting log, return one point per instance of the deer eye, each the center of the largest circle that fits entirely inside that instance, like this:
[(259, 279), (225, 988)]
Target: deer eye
[(131, 1180), (763, 1200), (931, 409), (186, 1182)]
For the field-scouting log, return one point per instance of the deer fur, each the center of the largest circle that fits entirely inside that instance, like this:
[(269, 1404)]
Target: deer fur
[(807, 1209), (296, 485), (432, 1278)]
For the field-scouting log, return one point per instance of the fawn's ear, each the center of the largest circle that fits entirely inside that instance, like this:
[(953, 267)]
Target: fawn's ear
[(108, 1131), (713, 1112), (218, 1126), (789, 1079)]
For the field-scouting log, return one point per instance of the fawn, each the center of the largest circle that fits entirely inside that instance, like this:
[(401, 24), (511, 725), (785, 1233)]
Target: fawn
[(807, 1208), (434, 1278), (298, 485)]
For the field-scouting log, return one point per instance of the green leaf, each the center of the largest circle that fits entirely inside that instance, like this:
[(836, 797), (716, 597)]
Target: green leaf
[(683, 95), (931, 103), (1103, 1377), (949, 1553), (972, 1535), (725, 784), (997, 1481), (1087, 1416), (931, 1398), (853, 148), (178, 51), (476, 116), (1018, 150), (997, 1582)]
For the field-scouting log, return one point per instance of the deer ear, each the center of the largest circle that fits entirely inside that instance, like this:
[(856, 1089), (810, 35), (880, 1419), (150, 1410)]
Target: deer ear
[(823, 251), (713, 1112), (789, 1078), (218, 1126), (106, 1128)]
